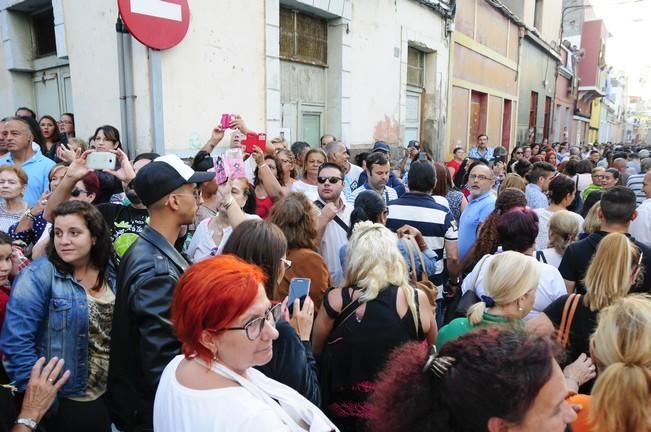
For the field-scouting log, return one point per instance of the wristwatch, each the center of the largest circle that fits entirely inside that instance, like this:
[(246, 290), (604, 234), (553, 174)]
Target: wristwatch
[(30, 423)]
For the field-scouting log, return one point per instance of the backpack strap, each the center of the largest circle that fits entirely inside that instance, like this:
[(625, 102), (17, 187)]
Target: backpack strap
[(569, 309), (540, 256)]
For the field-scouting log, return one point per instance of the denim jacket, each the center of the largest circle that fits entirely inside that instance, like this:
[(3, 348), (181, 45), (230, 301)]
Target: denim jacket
[(47, 316)]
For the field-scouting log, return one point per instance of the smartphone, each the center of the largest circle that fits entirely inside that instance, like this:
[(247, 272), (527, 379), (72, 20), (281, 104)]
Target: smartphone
[(255, 139), (226, 120), (234, 163), (101, 160), (299, 288), (220, 171), (422, 156)]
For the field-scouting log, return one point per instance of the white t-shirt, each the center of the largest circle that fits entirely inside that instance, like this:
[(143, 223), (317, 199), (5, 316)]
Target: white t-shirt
[(640, 228), (203, 245), (310, 191), (333, 238), (551, 257), (178, 408), (352, 177), (544, 216), (550, 285), (442, 201)]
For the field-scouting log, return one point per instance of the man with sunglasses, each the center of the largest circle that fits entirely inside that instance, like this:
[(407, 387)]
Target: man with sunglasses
[(142, 339), (334, 217)]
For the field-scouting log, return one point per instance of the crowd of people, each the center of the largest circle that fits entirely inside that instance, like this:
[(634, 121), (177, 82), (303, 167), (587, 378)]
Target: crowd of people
[(299, 291)]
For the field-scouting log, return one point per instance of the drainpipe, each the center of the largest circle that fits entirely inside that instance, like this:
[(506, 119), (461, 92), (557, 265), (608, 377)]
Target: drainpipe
[(127, 97)]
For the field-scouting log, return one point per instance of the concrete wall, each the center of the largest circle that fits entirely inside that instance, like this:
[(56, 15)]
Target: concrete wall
[(381, 32)]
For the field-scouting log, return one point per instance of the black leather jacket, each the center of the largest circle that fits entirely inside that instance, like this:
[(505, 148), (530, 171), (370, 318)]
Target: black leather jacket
[(142, 339)]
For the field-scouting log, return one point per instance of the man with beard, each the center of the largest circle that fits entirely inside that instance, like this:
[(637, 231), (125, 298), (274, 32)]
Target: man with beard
[(125, 221), (480, 205)]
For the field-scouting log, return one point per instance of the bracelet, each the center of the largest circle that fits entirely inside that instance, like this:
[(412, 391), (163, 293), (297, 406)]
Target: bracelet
[(28, 214), (28, 422)]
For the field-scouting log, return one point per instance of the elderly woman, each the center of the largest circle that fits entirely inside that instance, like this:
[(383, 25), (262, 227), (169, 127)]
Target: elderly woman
[(375, 311), (213, 386), (477, 383), (314, 158), (13, 184)]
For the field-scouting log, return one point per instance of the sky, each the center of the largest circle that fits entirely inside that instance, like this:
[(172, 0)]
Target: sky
[(628, 49)]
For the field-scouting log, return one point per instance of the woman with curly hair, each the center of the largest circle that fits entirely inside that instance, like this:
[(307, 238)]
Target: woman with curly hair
[(487, 241), (476, 383)]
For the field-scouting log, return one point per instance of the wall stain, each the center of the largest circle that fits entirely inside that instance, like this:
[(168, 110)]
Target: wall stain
[(387, 130)]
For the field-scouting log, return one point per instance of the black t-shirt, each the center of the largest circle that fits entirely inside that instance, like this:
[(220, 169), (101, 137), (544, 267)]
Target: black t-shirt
[(578, 255), (125, 223), (583, 324)]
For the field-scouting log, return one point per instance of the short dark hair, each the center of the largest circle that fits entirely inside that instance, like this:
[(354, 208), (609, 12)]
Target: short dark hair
[(422, 177), (4, 238), (34, 129), (376, 158), (333, 166), (618, 205), (559, 187), (299, 147), (593, 152), (584, 166), (150, 156), (482, 135), (100, 252), (539, 169), (614, 172), (32, 113), (261, 243)]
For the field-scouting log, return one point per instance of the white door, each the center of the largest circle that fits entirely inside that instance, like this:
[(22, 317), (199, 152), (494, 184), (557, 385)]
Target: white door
[(53, 91), (412, 116)]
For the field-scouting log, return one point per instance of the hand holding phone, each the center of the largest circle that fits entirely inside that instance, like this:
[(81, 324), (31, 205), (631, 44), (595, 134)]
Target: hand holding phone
[(234, 163), (255, 139), (226, 120), (299, 288), (220, 171)]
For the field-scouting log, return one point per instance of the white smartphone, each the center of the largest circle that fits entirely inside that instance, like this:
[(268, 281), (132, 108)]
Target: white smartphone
[(101, 160)]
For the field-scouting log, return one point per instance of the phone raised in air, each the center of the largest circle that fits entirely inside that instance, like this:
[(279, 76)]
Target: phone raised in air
[(299, 288), (99, 160)]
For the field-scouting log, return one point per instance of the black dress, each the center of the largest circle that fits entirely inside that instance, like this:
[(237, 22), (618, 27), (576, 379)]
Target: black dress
[(356, 351)]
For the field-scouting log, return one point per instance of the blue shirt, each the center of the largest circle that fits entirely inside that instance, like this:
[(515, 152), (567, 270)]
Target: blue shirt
[(474, 153), (536, 198), (475, 213), (37, 168)]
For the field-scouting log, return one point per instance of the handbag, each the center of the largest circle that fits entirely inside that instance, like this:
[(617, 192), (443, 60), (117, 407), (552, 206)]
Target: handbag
[(569, 309), (424, 283), (470, 297)]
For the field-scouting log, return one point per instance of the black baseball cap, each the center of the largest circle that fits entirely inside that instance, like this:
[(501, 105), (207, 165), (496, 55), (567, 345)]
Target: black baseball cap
[(163, 176)]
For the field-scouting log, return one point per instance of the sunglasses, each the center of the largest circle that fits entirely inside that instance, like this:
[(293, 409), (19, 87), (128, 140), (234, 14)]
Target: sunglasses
[(332, 180), (77, 191)]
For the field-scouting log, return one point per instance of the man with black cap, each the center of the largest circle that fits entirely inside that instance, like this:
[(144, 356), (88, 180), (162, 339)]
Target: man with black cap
[(394, 182), (142, 338)]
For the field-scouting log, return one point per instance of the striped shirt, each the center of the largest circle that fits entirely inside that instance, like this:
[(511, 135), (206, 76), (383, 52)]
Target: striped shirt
[(635, 183), (434, 221), (388, 194)]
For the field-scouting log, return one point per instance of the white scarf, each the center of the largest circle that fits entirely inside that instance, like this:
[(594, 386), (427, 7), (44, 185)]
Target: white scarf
[(294, 410)]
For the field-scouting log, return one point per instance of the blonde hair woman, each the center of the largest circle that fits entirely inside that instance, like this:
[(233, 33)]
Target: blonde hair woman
[(615, 267), (510, 291), (621, 349), (512, 180), (359, 324), (592, 224), (564, 228), (13, 184)]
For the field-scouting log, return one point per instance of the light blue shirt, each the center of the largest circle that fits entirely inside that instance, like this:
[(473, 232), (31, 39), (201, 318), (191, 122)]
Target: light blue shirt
[(474, 153), (536, 198), (477, 210), (37, 168)]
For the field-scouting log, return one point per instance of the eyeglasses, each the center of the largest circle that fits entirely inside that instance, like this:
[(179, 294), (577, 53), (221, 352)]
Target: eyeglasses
[(77, 191), (286, 262), (332, 180), (253, 328), (519, 152), (479, 177)]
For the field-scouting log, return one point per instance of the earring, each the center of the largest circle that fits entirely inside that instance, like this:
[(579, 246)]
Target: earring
[(214, 356)]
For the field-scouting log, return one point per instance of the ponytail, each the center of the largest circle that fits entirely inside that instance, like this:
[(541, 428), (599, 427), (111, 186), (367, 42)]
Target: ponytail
[(476, 313), (620, 399)]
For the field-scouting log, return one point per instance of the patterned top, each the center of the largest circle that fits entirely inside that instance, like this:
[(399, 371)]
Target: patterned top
[(454, 199), (8, 218), (100, 321)]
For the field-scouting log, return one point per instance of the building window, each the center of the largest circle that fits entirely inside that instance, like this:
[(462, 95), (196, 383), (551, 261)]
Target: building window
[(303, 38), (44, 38), (415, 67)]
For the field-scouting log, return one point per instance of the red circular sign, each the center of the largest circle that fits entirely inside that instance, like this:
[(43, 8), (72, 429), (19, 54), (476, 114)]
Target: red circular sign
[(159, 24)]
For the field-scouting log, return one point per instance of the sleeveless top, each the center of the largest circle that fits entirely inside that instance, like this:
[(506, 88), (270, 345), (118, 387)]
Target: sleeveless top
[(357, 350)]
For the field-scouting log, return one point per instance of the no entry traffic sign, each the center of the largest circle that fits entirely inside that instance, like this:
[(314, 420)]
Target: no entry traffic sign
[(158, 24)]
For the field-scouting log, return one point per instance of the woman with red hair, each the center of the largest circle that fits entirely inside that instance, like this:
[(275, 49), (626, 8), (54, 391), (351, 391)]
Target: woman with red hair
[(226, 326)]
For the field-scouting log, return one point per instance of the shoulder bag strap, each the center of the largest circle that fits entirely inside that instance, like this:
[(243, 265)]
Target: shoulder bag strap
[(540, 256), (569, 310), (412, 261), (337, 219), (481, 265), (424, 275), (350, 308)]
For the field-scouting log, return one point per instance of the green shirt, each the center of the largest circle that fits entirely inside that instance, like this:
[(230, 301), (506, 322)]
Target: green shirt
[(460, 326), (591, 188)]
